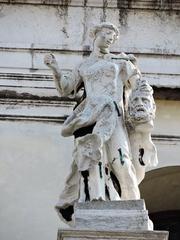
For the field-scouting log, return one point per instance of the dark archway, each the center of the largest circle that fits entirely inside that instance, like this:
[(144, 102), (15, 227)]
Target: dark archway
[(167, 220), (161, 191)]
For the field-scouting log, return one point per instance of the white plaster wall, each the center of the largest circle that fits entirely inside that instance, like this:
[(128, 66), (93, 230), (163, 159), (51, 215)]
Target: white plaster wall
[(34, 161), (67, 27), (167, 120), (29, 31), (167, 123)]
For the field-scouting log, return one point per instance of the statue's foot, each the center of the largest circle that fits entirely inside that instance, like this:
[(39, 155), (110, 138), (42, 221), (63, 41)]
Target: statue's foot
[(98, 199), (66, 214)]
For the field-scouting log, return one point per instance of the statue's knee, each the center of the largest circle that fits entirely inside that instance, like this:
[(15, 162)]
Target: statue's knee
[(88, 151)]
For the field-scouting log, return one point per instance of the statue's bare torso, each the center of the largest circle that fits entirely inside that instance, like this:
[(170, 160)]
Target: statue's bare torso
[(101, 78)]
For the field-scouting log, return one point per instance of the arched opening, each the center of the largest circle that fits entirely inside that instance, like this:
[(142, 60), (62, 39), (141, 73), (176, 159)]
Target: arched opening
[(161, 191)]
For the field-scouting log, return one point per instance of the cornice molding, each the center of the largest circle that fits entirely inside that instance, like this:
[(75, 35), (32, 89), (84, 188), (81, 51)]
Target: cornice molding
[(35, 110), (41, 87), (84, 50), (54, 112), (166, 138), (125, 4), (23, 118)]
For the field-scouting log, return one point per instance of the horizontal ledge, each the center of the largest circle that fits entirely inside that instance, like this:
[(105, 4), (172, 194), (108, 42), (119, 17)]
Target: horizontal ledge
[(95, 234), (64, 102), (173, 138), (41, 87), (30, 87), (12, 94), (32, 118), (161, 93), (141, 4), (85, 50), (60, 120)]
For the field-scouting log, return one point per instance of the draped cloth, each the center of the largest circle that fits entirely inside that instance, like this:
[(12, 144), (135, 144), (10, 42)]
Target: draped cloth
[(107, 116)]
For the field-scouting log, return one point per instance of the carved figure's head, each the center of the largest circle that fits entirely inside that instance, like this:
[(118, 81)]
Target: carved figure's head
[(104, 34), (141, 106)]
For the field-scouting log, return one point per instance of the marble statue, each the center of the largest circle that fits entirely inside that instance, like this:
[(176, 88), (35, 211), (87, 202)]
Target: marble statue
[(104, 166), (139, 121)]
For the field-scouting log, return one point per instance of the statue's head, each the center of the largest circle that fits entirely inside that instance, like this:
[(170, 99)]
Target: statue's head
[(104, 34), (141, 105)]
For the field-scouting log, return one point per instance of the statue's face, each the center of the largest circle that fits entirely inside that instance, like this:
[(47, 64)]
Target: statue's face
[(104, 38), (141, 108)]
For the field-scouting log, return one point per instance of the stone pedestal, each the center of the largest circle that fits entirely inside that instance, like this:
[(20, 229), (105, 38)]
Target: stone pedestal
[(113, 235), (116, 220), (112, 216)]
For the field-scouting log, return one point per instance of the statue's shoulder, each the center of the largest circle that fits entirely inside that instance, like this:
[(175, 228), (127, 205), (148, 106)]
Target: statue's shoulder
[(86, 63), (126, 58), (121, 55), (81, 67), (83, 63)]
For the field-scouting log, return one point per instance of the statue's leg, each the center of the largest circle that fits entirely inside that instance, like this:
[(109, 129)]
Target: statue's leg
[(92, 185), (119, 158), (140, 170), (69, 195), (111, 191), (89, 159)]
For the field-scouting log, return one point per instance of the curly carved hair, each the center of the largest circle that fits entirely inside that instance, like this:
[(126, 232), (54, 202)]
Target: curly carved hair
[(97, 28)]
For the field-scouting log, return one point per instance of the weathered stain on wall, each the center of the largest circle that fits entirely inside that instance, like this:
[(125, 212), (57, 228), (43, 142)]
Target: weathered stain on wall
[(123, 15), (62, 13), (105, 4)]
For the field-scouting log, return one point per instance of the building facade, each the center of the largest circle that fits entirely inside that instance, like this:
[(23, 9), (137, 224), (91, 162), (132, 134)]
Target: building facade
[(34, 157)]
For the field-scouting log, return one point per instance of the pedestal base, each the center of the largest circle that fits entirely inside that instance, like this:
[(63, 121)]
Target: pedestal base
[(118, 220), (113, 216), (118, 235)]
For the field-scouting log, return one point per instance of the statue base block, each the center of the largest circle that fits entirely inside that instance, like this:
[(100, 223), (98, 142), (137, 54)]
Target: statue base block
[(113, 235), (113, 215), (116, 220)]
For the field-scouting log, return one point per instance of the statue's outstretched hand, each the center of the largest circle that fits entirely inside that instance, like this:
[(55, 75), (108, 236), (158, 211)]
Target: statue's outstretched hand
[(50, 61)]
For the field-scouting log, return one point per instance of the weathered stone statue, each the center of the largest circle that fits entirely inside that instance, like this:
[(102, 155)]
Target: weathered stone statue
[(139, 120), (103, 166)]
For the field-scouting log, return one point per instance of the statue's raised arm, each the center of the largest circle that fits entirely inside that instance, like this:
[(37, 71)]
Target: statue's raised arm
[(66, 84)]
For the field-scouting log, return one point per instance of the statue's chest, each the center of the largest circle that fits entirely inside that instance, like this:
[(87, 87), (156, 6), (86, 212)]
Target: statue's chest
[(101, 70)]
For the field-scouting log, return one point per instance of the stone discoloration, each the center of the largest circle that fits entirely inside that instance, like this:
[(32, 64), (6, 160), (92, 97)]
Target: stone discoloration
[(146, 4), (105, 5), (1, 10), (85, 22), (32, 68), (62, 13), (123, 12)]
